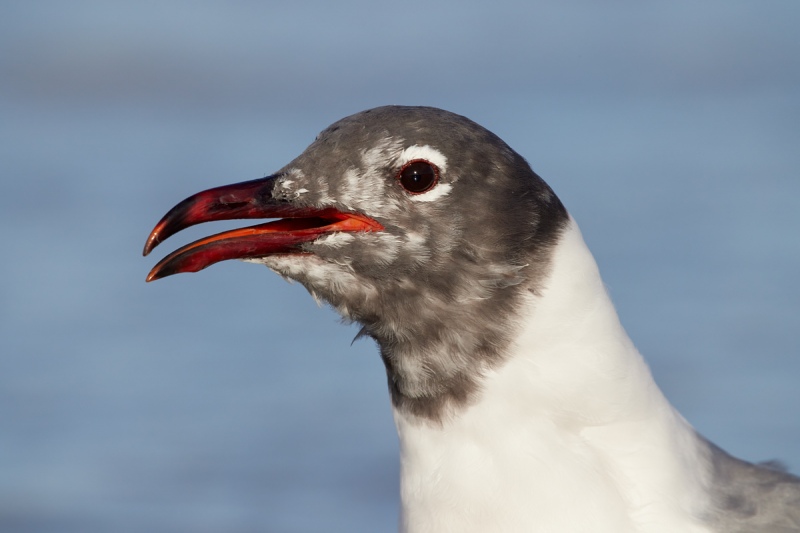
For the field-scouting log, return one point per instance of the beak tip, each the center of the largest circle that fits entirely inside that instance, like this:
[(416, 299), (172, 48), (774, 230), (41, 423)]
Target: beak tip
[(152, 242)]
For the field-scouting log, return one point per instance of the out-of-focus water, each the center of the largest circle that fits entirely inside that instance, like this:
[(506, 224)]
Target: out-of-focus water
[(227, 400)]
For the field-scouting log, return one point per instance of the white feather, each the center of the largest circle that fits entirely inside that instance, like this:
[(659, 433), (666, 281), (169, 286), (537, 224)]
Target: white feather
[(428, 153), (441, 190), (335, 240), (571, 434)]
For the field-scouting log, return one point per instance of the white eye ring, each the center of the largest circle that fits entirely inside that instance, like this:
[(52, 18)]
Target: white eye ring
[(426, 153)]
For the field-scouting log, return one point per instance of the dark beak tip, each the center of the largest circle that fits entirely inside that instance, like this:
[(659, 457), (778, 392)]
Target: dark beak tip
[(158, 272), (152, 241), (148, 247)]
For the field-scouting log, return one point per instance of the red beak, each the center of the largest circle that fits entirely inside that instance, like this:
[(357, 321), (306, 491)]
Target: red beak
[(249, 199)]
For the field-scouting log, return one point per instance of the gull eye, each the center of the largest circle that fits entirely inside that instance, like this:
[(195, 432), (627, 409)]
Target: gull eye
[(418, 176)]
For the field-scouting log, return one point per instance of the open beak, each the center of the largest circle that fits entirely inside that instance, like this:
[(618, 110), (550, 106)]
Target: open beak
[(249, 199)]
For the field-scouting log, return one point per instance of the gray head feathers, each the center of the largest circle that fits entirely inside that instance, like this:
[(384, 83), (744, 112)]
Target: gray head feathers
[(438, 288)]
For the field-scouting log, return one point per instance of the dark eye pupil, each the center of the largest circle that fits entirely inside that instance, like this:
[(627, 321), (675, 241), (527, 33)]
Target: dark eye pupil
[(418, 176)]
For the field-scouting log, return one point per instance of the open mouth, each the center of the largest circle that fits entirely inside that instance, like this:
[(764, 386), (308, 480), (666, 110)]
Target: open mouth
[(251, 199)]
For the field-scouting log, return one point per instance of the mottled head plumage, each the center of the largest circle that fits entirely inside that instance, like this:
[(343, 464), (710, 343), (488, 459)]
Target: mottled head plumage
[(438, 287)]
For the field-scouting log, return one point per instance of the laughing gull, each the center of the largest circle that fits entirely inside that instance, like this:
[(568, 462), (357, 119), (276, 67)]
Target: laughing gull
[(520, 402)]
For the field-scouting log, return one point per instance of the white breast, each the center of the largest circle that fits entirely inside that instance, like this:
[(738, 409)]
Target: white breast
[(571, 434)]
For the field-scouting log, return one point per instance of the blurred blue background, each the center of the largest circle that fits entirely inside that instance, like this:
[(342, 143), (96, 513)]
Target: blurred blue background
[(227, 400)]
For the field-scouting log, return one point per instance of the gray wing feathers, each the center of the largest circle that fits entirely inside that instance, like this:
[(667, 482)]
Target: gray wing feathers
[(750, 498)]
